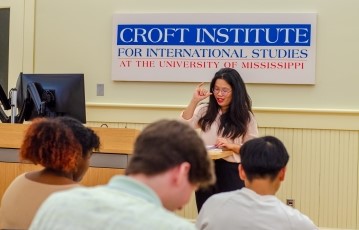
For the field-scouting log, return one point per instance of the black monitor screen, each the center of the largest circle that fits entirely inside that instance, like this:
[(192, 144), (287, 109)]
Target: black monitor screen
[(58, 94), (3, 99), (5, 106)]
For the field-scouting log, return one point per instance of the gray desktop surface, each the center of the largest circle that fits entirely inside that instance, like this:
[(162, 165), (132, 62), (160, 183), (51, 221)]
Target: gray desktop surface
[(98, 160)]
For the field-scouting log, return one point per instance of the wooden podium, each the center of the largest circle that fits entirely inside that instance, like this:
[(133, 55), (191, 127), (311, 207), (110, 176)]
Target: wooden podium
[(112, 158), (113, 140)]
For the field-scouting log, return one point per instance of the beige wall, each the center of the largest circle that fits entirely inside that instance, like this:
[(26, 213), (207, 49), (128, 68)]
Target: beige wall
[(75, 36)]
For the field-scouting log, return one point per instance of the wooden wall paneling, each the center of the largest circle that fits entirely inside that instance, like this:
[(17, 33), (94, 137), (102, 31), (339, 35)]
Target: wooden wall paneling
[(353, 180), (189, 211), (285, 190), (325, 181), (99, 176), (296, 158), (333, 186), (347, 182), (312, 164)]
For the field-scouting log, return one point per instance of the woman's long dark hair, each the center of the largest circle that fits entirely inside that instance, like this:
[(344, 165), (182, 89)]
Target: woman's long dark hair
[(233, 123)]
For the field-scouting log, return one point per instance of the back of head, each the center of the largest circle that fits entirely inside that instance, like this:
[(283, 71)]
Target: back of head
[(263, 157), (85, 136), (166, 144), (58, 143)]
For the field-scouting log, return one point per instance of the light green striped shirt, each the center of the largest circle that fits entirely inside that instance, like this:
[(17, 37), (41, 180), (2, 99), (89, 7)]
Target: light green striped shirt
[(121, 204)]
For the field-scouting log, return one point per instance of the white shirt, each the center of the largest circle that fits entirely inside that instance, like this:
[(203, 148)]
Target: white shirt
[(245, 209)]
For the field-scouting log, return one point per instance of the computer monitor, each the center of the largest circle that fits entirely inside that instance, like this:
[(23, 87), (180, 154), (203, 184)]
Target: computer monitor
[(5, 106), (50, 95)]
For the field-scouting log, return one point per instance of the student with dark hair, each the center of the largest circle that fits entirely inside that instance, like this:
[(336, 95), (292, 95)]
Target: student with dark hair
[(63, 146), (263, 167), (226, 121), (168, 163)]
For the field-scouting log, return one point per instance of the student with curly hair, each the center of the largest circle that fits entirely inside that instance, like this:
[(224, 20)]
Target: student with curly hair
[(63, 146)]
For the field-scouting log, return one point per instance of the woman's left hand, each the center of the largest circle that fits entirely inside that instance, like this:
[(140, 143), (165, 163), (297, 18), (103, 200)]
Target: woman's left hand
[(222, 143)]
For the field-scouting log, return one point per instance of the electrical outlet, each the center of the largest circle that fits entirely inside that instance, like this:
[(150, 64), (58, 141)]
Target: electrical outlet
[(100, 90), (291, 202)]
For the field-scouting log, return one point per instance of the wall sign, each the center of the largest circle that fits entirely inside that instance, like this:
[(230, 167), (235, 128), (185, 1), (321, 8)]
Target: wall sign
[(264, 47)]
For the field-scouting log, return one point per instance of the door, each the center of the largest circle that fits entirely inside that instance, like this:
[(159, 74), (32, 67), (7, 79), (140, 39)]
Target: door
[(17, 39)]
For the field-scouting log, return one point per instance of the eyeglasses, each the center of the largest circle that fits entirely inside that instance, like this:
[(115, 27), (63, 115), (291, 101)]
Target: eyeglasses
[(223, 91)]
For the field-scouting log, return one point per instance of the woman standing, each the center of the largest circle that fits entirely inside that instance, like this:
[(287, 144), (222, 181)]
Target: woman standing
[(227, 121)]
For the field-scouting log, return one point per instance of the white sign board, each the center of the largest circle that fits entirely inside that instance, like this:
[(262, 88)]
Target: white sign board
[(264, 47)]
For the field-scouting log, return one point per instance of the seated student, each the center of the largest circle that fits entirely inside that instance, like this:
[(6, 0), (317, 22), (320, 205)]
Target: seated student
[(63, 146), (263, 167), (169, 162)]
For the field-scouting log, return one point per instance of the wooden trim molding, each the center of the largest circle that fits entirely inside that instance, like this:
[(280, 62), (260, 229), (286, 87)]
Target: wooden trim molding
[(337, 119)]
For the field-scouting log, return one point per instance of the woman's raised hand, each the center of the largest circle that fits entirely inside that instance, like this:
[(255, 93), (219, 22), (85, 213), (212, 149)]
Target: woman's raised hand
[(201, 93)]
